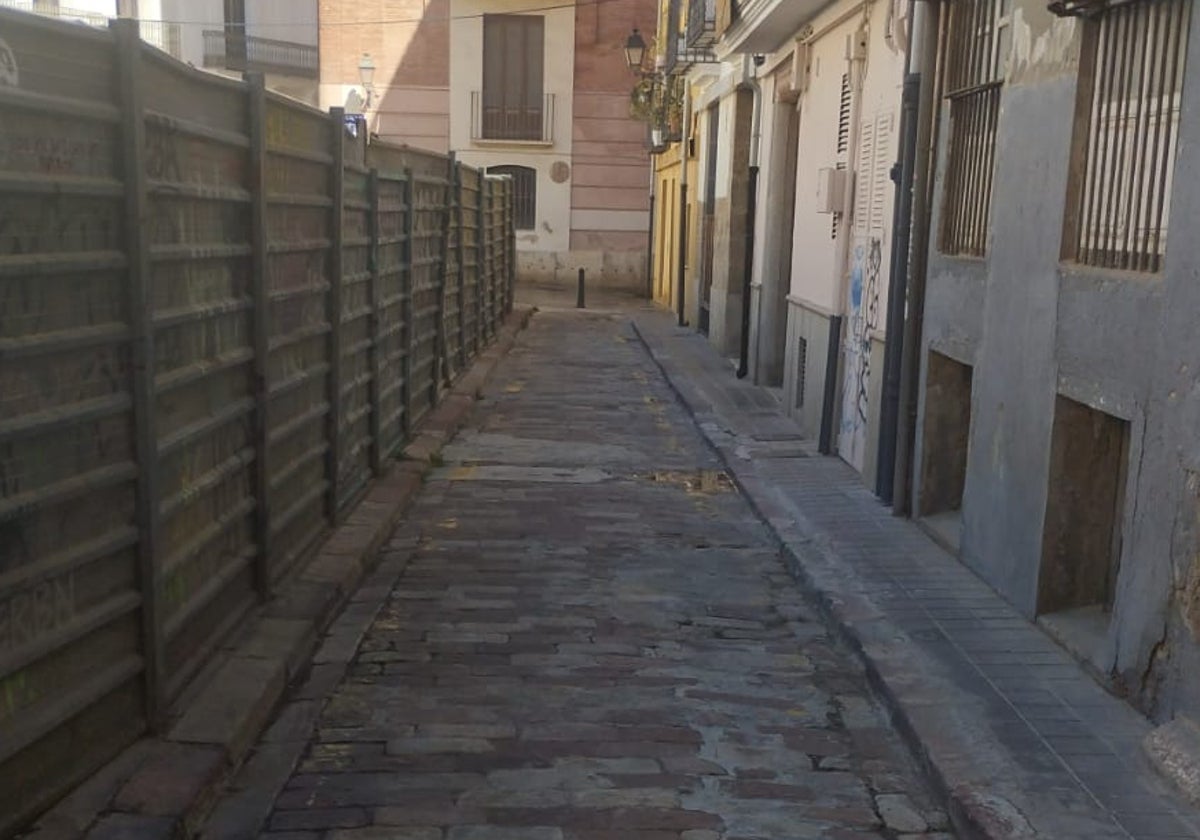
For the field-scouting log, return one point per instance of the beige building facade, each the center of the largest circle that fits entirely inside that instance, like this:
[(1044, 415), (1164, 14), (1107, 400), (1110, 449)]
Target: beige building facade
[(539, 93)]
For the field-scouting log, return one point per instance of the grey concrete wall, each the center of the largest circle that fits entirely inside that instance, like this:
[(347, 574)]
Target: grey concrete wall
[(813, 327), (1156, 621), (1124, 343)]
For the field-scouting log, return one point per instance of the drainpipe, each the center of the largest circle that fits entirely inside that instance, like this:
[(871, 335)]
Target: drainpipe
[(924, 51), (650, 229), (855, 65), (902, 176), (750, 79), (683, 192)]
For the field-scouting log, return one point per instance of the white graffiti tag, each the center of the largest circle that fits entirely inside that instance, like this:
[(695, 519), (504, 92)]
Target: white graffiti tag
[(9, 77)]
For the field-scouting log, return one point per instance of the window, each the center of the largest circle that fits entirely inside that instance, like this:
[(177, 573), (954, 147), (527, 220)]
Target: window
[(513, 106), (524, 194), (1126, 134), (977, 45)]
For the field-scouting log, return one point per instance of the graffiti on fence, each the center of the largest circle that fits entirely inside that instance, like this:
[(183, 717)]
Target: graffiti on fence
[(33, 613), (162, 151), (10, 75), (54, 225)]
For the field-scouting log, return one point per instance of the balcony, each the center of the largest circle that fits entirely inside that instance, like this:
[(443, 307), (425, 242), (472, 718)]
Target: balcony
[(764, 26), (242, 53), (157, 33), (504, 123), (701, 23), (679, 56)]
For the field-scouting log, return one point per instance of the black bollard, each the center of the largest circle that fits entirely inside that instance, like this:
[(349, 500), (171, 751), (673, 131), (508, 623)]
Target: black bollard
[(579, 296)]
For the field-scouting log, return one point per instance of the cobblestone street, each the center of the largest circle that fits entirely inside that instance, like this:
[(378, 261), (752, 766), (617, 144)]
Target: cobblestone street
[(593, 637)]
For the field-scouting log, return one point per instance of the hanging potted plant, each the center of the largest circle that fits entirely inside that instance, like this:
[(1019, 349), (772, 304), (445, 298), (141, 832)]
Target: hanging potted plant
[(658, 102)]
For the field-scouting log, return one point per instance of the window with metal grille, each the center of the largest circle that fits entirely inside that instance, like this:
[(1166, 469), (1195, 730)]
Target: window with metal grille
[(524, 194), (513, 106), (1126, 134), (977, 47)]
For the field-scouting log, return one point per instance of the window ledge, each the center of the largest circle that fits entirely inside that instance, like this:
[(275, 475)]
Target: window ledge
[(536, 143)]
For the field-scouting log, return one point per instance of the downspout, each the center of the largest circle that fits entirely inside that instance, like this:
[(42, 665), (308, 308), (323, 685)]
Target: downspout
[(924, 47), (902, 176), (650, 228), (750, 80), (683, 205), (855, 66)]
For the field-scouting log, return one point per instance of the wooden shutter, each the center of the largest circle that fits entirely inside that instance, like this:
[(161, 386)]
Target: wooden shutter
[(513, 65)]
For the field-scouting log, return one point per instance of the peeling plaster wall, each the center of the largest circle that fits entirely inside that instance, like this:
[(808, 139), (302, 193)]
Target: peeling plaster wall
[(1034, 328)]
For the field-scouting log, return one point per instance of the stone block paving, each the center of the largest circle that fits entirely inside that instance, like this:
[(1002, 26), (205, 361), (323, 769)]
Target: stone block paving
[(595, 637), (1022, 737)]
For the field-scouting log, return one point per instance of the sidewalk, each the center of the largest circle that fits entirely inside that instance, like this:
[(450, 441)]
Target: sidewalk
[(1022, 742)]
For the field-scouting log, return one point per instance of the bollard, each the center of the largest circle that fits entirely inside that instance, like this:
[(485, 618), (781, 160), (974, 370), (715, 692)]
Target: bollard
[(579, 295)]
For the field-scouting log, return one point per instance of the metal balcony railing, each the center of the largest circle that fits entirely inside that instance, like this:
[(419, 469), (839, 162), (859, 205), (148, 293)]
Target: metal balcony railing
[(519, 122), (158, 33), (701, 23), (242, 53)]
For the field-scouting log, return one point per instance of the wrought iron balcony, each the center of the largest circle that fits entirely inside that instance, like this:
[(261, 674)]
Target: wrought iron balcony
[(158, 33), (701, 23), (242, 53), (514, 122)]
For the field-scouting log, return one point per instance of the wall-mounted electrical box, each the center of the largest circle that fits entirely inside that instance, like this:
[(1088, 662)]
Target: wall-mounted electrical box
[(856, 45), (801, 67), (831, 190)]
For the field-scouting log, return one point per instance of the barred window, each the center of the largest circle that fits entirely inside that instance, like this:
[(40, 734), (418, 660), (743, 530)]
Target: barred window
[(1126, 134), (977, 46), (524, 194)]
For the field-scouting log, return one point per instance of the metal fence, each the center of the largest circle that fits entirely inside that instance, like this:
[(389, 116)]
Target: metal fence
[(220, 315)]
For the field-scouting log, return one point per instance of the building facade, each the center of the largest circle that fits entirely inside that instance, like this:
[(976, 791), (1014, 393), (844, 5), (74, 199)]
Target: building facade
[(1056, 440), (971, 278), (538, 93), (793, 128)]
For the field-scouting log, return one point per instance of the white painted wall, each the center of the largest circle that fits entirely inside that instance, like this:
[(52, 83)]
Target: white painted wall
[(814, 250), (553, 230)]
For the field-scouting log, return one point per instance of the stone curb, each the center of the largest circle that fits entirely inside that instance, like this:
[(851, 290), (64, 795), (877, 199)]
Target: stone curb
[(888, 658), (163, 787)]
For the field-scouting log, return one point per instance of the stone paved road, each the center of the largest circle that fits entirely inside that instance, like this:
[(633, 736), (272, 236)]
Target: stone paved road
[(595, 639)]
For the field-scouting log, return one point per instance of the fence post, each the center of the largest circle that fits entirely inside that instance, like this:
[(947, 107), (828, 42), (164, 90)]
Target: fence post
[(257, 93), (481, 270), (410, 330), (440, 352), (460, 194), (137, 210), (510, 238), (336, 271), (499, 254), (375, 321)]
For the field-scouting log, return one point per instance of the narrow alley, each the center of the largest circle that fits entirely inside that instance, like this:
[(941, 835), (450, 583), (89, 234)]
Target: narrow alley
[(592, 637)]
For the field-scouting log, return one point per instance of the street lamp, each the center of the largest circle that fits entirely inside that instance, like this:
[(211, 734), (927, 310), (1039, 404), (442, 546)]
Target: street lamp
[(635, 50), (366, 74)]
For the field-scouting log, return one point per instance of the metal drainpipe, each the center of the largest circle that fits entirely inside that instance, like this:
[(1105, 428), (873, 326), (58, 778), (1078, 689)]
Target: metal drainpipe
[(751, 81), (902, 175), (924, 46), (837, 321), (683, 191), (650, 232)]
